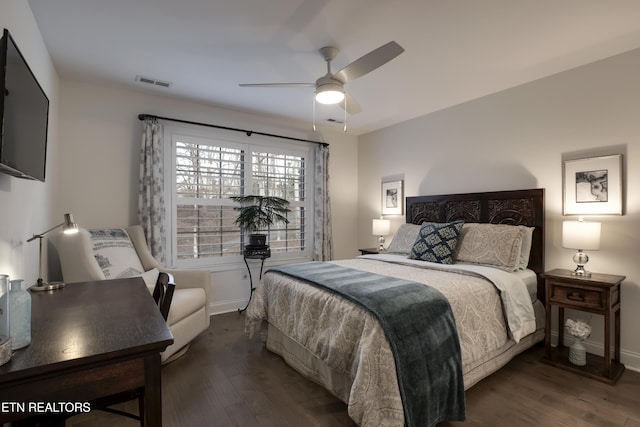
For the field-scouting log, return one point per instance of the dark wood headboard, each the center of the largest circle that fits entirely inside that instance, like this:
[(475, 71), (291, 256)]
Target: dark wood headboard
[(518, 207)]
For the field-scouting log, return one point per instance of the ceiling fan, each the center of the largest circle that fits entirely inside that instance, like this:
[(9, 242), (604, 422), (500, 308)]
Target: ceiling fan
[(330, 87)]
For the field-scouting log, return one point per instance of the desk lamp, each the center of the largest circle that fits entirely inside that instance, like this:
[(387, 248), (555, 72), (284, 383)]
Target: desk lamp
[(68, 227)]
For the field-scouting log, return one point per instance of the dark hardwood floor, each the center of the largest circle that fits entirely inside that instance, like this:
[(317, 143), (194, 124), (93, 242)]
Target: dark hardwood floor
[(228, 380)]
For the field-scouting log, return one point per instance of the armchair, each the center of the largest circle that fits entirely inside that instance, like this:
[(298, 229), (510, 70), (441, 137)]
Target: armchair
[(110, 253)]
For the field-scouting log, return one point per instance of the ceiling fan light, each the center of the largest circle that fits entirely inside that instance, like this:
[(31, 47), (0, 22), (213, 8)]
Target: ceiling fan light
[(329, 94)]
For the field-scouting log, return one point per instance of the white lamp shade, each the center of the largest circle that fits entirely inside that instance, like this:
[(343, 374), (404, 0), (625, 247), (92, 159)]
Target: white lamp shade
[(581, 235), (381, 227)]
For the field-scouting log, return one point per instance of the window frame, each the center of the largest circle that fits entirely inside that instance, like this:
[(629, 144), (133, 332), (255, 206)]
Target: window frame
[(249, 144)]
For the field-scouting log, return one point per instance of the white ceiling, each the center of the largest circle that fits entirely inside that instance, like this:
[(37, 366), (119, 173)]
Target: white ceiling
[(455, 50)]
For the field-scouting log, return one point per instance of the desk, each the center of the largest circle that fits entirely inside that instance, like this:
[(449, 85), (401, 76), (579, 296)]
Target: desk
[(89, 340)]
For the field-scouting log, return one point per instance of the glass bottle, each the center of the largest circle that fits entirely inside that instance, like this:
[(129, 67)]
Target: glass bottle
[(4, 306), (19, 315)]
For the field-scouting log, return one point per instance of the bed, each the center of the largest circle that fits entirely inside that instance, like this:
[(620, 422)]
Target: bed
[(494, 296)]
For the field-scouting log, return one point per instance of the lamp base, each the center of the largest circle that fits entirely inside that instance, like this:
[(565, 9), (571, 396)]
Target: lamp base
[(580, 258), (580, 271), (381, 244), (42, 286)]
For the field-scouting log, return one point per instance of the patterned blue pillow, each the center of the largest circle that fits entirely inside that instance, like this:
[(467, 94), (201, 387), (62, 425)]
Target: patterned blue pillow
[(437, 242)]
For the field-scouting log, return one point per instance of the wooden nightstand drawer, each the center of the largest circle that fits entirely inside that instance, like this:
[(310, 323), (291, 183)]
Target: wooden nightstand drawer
[(576, 297)]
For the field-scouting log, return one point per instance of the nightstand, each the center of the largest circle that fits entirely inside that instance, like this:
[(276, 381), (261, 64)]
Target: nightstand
[(369, 251), (597, 294)]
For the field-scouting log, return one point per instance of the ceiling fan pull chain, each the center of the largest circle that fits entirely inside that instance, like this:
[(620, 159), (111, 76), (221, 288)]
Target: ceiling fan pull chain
[(314, 113), (345, 113)]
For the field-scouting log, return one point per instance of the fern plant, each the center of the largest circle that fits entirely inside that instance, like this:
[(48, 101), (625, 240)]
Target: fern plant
[(256, 213)]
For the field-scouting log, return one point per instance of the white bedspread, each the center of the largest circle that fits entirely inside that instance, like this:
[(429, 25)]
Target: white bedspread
[(350, 340), (513, 291)]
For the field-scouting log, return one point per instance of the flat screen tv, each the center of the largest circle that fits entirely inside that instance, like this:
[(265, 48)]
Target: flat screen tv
[(24, 114)]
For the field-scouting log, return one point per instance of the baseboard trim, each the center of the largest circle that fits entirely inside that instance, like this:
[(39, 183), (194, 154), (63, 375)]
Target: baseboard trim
[(221, 307)]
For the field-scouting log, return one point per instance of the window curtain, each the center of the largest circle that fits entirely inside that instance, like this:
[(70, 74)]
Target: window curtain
[(322, 241), (151, 212)]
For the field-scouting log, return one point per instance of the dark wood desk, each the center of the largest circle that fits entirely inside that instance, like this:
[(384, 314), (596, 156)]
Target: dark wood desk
[(89, 341)]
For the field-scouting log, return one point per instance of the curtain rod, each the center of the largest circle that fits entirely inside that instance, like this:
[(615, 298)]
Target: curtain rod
[(247, 132)]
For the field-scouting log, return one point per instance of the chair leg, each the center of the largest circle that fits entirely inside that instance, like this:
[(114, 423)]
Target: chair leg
[(141, 409), (105, 404), (121, 413)]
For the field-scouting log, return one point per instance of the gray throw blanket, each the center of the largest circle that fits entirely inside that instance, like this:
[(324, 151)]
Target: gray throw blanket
[(421, 330)]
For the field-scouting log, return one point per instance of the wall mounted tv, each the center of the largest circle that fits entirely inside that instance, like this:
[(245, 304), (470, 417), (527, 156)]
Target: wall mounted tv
[(24, 114)]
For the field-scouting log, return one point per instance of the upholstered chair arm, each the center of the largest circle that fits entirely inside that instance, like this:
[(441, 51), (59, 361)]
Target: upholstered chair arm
[(76, 257), (183, 278), (191, 279), (136, 234)]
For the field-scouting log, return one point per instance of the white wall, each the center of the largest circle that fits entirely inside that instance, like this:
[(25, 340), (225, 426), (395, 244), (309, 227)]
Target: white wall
[(28, 206), (518, 139), (100, 141), (513, 139)]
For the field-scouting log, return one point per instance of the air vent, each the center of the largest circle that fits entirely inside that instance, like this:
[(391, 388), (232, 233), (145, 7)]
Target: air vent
[(152, 81)]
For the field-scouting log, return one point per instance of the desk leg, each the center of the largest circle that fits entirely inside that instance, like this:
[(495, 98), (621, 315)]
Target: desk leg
[(152, 415)]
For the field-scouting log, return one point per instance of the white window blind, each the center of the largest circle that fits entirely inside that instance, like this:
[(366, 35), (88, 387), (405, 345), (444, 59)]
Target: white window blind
[(205, 176), (282, 175), (207, 171)]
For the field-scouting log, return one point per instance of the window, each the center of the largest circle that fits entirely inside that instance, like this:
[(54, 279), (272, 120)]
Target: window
[(205, 176), (282, 175), (207, 170)]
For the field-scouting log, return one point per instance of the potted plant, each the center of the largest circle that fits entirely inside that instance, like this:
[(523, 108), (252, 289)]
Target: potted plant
[(259, 212)]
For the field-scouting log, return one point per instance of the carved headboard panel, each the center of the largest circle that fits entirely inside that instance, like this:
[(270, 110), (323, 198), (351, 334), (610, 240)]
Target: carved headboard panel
[(519, 207)]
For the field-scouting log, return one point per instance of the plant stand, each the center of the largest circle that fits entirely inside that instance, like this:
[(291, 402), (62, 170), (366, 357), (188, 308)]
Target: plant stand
[(261, 254)]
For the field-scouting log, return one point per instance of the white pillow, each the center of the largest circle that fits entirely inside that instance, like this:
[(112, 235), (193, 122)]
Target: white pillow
[(525, 251), (496, 245), (115, 253), (404, 239)]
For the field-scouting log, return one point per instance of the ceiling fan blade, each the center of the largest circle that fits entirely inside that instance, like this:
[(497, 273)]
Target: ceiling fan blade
[(369, 62), (352, 105), (277, 84)]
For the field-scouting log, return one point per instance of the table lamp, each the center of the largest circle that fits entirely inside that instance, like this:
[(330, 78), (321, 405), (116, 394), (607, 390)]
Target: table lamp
[(68, 227), (581, 235), (381, 227)]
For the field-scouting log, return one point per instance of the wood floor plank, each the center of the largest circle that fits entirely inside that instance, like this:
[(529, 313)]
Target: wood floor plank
[(227, 380)]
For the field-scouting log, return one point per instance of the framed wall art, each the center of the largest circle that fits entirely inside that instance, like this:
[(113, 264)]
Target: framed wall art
[(392, 198), (593, 186)]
